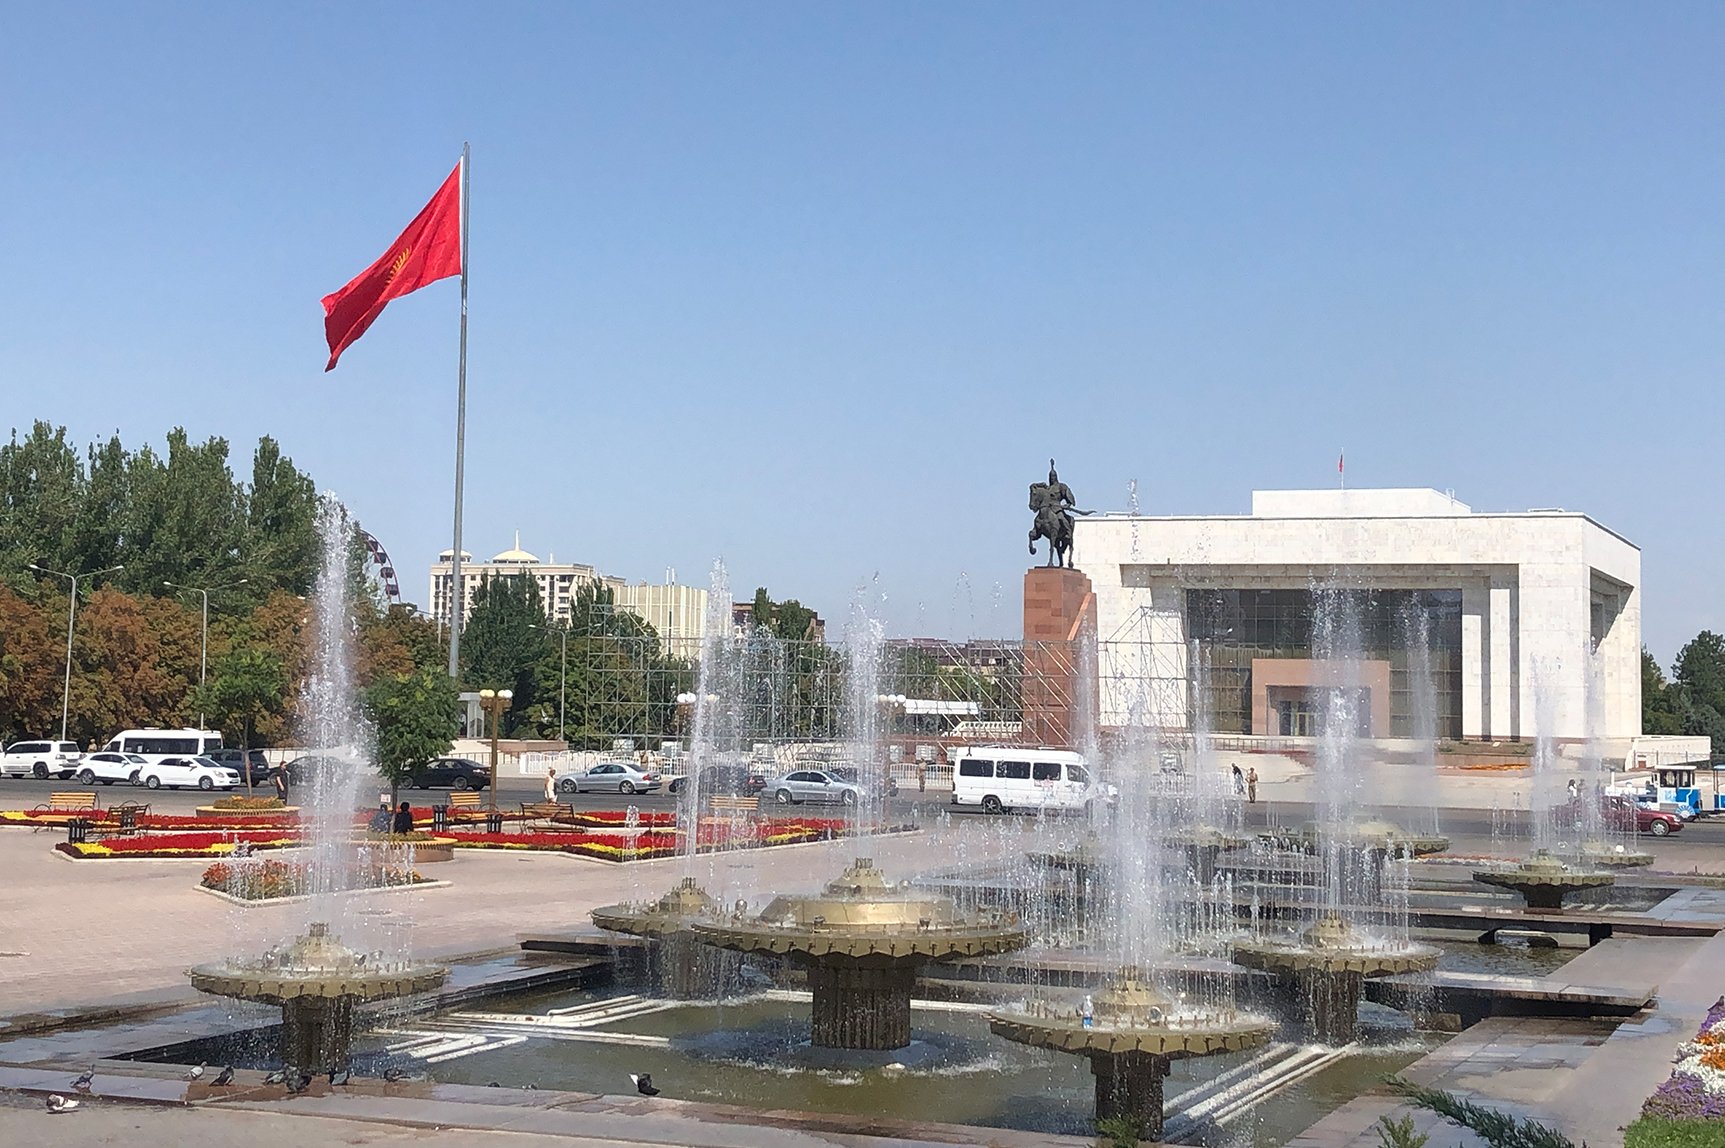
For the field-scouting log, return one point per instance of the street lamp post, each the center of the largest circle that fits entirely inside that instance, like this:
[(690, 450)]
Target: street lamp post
[(562, 677), (494, 703), (71, 615), (204, 654)]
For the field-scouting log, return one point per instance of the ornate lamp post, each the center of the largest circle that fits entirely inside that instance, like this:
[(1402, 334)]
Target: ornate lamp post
[(494, 703), (71, 615)]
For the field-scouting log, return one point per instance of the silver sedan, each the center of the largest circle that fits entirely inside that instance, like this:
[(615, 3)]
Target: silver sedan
[(610, 777), (815, 785)]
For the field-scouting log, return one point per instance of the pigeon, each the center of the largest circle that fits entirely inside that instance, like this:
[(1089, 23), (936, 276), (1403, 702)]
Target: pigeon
[(300, 1082), (224, 1077), (530, 1087), (82, 1084), (57, 1103), (276, 1077), (393, 1074), (342, 1077), (194, 1073), (644, 1083)]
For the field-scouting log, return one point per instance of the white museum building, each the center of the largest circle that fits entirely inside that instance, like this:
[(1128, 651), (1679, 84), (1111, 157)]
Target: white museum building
[(1523, 619)]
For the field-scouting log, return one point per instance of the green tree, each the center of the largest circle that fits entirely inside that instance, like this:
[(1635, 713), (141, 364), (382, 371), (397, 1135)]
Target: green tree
[(41, 481), (416, 715), (1700, 674), (280, 537), (245, 686), (1661, 706), (504, 640)]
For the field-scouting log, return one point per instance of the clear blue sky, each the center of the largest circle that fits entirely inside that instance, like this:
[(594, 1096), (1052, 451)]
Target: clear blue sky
[(819, 288)]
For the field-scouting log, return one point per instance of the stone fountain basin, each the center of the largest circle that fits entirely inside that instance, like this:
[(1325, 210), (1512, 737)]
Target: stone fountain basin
[(1568, 880), (863, 941), (1069, 1034), (213, 811), (1293, 957), (278, 986)]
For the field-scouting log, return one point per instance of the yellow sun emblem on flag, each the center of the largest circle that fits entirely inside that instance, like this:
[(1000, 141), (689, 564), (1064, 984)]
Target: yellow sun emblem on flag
[(398, 263)]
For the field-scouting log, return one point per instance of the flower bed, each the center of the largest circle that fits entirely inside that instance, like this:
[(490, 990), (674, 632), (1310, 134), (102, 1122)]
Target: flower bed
[(616, 818), (272, 879), (181, 844), (186, 822), (1695, 1089), (715, 833)]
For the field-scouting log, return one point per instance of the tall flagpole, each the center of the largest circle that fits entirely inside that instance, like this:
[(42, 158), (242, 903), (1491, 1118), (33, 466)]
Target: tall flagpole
[(457, 587)]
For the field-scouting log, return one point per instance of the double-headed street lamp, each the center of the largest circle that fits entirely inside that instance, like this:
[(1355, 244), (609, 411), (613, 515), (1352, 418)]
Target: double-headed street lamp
[(71, 614), (204, 657), (562, 676), (494, 703)]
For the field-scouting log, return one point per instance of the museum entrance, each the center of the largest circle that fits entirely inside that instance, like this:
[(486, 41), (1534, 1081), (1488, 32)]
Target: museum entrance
[(1305, 711)]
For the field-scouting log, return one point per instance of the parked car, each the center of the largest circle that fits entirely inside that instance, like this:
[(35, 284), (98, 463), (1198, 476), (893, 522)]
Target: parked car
[(1622, 814), (816, 785), (730, 780), (262, 772), (610, 777), (849, 773), (449, 773), (186, 772), (108, 768), (40, 759)]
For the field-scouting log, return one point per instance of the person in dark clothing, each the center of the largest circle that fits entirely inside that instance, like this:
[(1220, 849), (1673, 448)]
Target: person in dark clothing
[(404, 819), (380, 820)]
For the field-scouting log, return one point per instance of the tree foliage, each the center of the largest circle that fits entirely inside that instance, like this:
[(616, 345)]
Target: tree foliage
[(1662, 703), (503, 642), (416, 715)]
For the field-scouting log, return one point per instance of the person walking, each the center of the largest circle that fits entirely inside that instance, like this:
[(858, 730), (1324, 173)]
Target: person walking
[(921, 777), (281, 786), (1252, 785), (1239, 780), (403, 819), (551, 785)]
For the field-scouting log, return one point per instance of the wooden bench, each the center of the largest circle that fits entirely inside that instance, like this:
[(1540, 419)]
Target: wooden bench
[(128, 818), (734, 804), (547, 814), (466, 804), (71, 801)]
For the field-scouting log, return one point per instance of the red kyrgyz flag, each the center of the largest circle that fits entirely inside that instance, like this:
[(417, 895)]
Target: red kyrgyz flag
[(429, 250)]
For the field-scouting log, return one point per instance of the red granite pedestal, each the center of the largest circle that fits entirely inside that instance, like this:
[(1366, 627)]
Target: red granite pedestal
[(1059, 635)]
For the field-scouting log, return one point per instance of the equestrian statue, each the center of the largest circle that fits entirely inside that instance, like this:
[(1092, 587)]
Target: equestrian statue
[(1054, 505)]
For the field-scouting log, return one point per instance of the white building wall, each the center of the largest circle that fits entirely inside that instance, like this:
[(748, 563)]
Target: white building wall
[(1528, 582)]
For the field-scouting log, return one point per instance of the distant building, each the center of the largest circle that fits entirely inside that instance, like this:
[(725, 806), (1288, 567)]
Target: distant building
[(677, 613), (1470, 625)]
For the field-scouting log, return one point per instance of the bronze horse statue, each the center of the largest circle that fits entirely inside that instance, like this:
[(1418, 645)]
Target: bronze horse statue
[(1054, 505)]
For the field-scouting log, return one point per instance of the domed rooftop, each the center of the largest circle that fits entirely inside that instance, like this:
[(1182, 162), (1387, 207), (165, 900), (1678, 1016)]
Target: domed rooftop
[(517, 556)]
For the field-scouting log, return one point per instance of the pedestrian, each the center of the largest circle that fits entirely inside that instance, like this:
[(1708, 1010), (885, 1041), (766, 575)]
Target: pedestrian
[(281, 785), (380, 821), (1574, 789), (1239, 780), (1252, 785), (551, 785), (404, 819), (921, 777)]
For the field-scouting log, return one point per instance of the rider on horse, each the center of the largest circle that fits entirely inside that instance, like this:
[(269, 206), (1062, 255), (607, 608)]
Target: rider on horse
[(1055, 505)]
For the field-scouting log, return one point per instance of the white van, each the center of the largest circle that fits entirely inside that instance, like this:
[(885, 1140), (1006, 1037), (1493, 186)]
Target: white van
[(1000, 778), (157, 745)]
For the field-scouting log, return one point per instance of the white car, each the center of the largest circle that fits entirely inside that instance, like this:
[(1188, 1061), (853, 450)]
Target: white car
[(108, 768), (40, 759), (614, 776), (185, 772)]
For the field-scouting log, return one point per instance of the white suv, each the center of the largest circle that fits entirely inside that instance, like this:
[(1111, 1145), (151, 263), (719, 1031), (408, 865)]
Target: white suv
[(41, 759)]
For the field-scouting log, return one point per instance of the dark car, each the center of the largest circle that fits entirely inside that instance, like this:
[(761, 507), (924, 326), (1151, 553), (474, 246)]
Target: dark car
[(449, 773), (305, 770), (729, 780), (238, 760), (1622, 814)]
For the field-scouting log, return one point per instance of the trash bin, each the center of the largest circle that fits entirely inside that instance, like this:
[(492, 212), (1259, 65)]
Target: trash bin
[(77, 831), (128, 819), (439, 818), (494, 822)]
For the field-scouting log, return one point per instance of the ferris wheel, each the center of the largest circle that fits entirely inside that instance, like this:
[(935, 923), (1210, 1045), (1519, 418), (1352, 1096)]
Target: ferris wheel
[(385, 568)]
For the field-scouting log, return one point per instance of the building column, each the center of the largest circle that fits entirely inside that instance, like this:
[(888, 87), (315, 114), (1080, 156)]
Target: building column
[(1474, 607), (1498, 669)]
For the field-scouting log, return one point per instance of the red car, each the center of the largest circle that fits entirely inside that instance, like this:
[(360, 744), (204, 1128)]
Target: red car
[(1623, 814)]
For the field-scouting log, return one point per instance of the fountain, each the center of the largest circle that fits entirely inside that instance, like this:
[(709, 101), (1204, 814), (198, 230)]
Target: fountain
[(862, 941), (315, 978), (1329, 962), (682, 967), (1132, 1034), (316, 981), (1543, 880)]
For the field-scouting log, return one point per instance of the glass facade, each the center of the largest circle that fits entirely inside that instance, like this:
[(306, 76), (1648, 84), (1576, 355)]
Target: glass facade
[(1409, 629)]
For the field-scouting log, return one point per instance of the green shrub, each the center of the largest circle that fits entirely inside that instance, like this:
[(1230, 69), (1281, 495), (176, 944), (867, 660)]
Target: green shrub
[(1393, 1133), (1494, 1127), (1658, 1132)]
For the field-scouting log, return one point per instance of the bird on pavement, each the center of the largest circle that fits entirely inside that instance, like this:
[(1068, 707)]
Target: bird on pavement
[(393, 1074), (225, 1076), (276, 1077), (342, 1077), (300, 1082), (194, 1073), (82, 1084), (58, 1103), (644, 1083)]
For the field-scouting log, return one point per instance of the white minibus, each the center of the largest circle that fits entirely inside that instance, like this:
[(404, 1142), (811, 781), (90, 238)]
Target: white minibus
[(1001, 778), (155, 745)]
